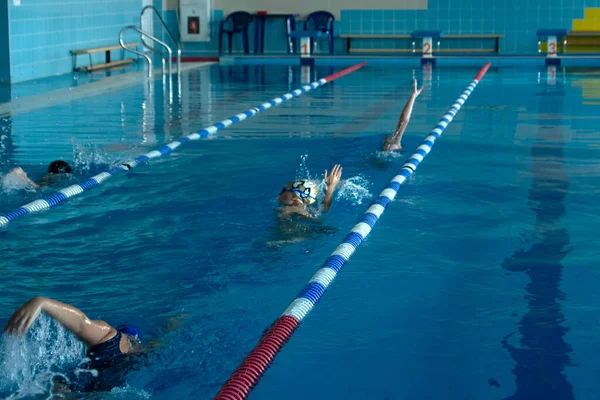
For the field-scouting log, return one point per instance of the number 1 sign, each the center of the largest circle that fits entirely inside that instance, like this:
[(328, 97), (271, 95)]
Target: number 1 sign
[(305, 47)]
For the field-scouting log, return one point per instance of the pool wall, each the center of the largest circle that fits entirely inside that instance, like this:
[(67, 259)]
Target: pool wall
[(42, 33), (4, 47), (516, 19), (415, 62)]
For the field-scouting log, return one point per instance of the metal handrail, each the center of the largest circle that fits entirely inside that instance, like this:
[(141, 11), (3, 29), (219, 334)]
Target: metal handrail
[(162, 21), (135, 28)]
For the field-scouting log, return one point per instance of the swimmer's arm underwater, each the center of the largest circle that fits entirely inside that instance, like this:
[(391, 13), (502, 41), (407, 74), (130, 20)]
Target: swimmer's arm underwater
[(332, 181), (393, 142), (88, 331)]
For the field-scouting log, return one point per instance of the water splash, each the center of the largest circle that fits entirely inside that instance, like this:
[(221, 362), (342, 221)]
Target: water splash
[(354, 189), (29, 364), (303, 172), (388, 155), (128, 393), (9, 183), (89, 157), (3, 146)]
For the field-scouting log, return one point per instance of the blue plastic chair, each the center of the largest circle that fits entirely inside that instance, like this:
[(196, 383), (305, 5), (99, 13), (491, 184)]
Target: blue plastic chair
[(317, 24), (237, 23)]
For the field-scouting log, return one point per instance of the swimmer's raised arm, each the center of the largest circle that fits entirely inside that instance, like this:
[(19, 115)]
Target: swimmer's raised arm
[(393, 142), (332, 181), (88, 331)]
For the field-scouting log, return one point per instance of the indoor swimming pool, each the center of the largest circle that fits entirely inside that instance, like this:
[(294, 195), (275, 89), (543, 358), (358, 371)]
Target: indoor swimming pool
[(477, 283)]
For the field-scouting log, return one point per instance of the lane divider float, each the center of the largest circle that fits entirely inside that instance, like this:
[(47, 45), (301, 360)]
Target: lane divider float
[(247, 375), (74, 190)]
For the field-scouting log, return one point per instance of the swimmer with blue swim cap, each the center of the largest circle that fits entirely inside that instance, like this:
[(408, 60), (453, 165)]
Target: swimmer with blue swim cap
[(299, 195), (105, 344), (393, 142)]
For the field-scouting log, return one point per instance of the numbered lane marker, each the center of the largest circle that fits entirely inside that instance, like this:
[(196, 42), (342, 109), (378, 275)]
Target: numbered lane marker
[(305, 47), (427, 49), (552, 46)]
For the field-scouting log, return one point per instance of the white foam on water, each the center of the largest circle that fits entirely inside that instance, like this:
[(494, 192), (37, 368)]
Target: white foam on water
[(28, 364), (86, 156), (388, 155), (10, 182), (354, 189), (129, 393)]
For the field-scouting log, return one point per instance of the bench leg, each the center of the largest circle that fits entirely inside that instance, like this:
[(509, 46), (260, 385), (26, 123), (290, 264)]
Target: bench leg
[(74, 61), (90, 55), (497, 45), (107, 56), (348, 45)]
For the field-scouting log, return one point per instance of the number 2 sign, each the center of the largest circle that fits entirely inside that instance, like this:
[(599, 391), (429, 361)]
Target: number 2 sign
[(427, 47)]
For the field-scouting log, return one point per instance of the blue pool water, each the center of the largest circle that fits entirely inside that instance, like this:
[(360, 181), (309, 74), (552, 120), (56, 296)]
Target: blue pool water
[(479, 282)]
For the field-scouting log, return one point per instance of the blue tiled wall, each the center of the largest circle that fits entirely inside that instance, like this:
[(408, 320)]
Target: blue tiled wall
[(517, 19), (4, 45), (42, 32)]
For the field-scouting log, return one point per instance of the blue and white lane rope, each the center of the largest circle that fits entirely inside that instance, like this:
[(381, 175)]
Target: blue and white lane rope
[(247, 375), (74, 190)]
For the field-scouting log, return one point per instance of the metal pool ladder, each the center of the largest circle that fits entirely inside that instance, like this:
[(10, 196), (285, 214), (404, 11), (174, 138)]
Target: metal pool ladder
[(167, 31), (139, 53)]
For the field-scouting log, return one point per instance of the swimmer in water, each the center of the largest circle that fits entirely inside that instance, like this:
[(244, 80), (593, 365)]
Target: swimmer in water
[(298, 196), (105, 345), (19, 176), (393, 142)]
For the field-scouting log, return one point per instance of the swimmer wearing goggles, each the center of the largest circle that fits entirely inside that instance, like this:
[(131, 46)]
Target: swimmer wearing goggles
[(298, 195), (393, 142)]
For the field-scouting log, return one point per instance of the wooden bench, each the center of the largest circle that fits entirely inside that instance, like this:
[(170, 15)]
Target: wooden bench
[(495, 49), (108, 63), (349, 49)]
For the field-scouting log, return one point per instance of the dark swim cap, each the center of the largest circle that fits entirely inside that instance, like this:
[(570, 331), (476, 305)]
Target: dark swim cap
[(59, 167), (130, 330)]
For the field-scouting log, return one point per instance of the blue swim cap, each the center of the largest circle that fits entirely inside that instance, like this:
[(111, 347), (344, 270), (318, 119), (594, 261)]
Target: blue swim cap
[(130, 330)]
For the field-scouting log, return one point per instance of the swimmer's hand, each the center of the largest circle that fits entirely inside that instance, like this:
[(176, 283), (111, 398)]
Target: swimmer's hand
[(416, 91), (24, 316), (332, 180), (91, 332), (391, 143)]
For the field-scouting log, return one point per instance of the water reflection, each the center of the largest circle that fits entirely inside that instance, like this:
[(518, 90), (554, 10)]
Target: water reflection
[(543, 353)]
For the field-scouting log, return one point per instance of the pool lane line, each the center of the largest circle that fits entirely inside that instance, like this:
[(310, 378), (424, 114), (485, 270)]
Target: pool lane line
[(74, 190), (247, 375)]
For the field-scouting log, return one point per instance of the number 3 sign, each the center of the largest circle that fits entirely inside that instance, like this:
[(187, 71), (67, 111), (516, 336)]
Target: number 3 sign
[(551, 46)]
